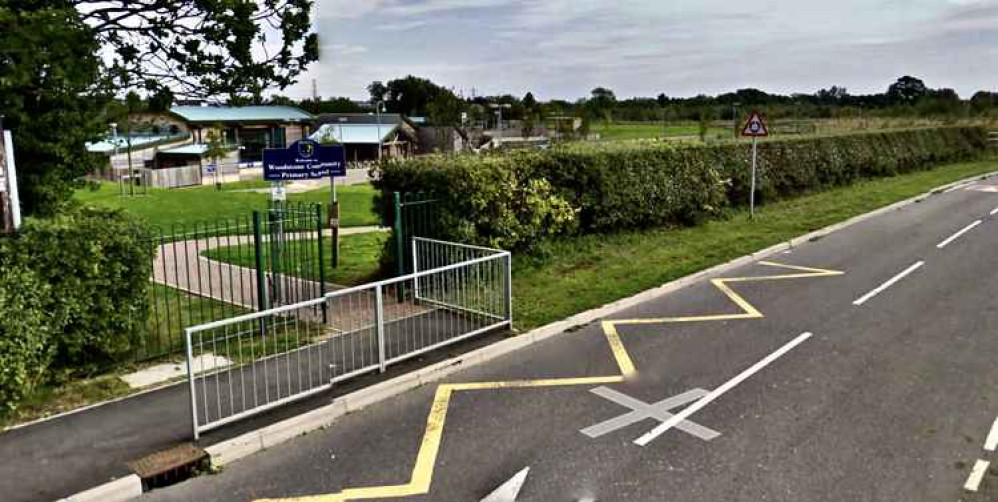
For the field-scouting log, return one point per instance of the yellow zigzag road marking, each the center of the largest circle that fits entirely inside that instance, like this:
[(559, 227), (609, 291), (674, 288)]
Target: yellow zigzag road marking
[(422, 472), (748, 311)]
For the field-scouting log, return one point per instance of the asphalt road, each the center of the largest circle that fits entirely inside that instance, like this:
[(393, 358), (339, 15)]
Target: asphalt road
[(874, 384)]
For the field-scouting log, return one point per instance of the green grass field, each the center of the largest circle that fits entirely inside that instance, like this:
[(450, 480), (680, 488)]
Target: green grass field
[(580, 273), (359, 255), (650, 130), (184, 206)]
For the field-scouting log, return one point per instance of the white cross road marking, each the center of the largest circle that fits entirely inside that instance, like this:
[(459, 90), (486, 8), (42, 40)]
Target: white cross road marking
[(641, 411)]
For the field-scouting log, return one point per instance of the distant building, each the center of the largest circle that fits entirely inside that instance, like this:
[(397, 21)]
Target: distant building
[(360, 134), (178, 141), (250, 128)]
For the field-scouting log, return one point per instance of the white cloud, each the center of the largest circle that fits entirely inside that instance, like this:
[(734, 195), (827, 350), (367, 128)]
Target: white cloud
[(347, 49), (564, 48)]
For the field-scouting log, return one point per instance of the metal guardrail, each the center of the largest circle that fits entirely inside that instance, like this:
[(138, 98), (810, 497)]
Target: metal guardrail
[(251, 363)]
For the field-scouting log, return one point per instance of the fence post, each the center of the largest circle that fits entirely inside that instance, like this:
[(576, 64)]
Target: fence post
[(379, 323), (509, 289), (399, 238), (190, 380), (322, 263), (415, 272), (399, 245), (261, 272)]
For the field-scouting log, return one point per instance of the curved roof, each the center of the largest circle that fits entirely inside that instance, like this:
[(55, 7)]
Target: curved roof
[(211, 114)]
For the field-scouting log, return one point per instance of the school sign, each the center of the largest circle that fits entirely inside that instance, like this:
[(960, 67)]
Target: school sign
[(304, 160)]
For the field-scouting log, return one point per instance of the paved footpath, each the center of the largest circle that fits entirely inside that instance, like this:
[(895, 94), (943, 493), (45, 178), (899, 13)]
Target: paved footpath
[(181, 265), (860, 366)]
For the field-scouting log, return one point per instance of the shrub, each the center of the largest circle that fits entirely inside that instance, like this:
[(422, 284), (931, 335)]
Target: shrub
[(97, 263), (25, 329), (511, 201), (494, 200)]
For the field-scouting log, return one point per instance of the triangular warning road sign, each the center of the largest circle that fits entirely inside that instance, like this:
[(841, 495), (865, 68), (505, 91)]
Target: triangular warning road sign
[(755, 127)]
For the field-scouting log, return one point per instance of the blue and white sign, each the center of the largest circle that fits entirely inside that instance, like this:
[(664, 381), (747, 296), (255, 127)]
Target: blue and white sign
[(304, 160)]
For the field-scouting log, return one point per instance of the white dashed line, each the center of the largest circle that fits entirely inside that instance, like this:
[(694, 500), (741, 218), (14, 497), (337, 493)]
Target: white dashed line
[(976, 475), (994, 211), (716, 393), (991, 443), (879, 289), (958, 234)]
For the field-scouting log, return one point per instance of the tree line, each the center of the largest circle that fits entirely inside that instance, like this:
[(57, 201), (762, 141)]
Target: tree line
[(415, 96)]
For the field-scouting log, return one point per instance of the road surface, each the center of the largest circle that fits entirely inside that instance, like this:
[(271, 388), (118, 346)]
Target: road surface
[(861, 366)]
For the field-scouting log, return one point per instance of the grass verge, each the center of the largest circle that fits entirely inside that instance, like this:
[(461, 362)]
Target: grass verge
[(576, 274), (186, 206)]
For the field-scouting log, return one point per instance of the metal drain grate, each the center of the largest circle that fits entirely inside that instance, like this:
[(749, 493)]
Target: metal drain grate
[(171, 466)]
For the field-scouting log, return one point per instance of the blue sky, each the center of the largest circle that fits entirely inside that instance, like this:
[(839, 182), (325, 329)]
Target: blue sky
[(564, 48)]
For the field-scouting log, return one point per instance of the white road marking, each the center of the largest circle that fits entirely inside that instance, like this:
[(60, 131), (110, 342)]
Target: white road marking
[(508, 491), (957, 187), (641, 411), (890, 282), (991, 443), (994, 211), (976, 475), (718, 392), (958, 234)]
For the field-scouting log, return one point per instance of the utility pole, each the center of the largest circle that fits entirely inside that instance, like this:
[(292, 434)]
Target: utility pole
[(499, 107), (377, 111)]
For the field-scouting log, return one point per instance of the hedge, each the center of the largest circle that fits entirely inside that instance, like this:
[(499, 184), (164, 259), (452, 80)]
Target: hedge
[(74, 297), (512, 200), (25, 330)]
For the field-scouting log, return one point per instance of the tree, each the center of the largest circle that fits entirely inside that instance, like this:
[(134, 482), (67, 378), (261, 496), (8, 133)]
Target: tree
[(51, 97), (415, 96), (906, 91), (161, 100), (529, 102), (377, 91), (662, 100), (203, 49)]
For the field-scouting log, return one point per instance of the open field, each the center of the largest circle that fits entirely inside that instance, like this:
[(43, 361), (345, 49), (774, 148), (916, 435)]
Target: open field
[(166, 207), (575, 274), (651, 130)]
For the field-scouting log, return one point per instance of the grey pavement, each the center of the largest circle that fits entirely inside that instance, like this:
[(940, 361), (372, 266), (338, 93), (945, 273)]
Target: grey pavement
[(889, 400)]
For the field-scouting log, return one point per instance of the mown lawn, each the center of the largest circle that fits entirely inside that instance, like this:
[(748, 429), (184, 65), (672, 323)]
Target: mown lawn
[(580, 273), (184, 206), (359, 258)]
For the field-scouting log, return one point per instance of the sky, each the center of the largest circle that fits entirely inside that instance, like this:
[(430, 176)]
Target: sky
[(562, 49)]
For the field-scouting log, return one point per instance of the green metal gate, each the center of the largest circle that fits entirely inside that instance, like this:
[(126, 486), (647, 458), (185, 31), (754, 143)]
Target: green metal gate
[(414, 216), (228, 267)]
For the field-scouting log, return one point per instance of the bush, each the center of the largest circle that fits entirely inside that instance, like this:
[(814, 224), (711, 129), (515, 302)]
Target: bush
[(97, 263), (513, 200), (25, 329)]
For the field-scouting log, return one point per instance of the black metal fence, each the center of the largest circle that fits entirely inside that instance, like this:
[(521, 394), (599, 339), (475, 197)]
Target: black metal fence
[(224, 268)]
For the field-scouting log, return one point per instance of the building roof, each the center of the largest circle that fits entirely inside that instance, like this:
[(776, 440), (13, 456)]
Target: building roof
[(358, 118), (188, 149), (139, 142), (365, 134), (212, 114)]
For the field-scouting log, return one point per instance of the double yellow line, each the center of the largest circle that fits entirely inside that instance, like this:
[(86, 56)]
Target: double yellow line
[(422, 472)]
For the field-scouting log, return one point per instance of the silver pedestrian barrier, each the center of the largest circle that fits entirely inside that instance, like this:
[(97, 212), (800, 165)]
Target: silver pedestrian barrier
[(252, 363)]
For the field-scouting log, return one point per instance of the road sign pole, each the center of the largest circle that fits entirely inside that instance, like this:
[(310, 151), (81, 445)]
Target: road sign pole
[(755, 157)]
